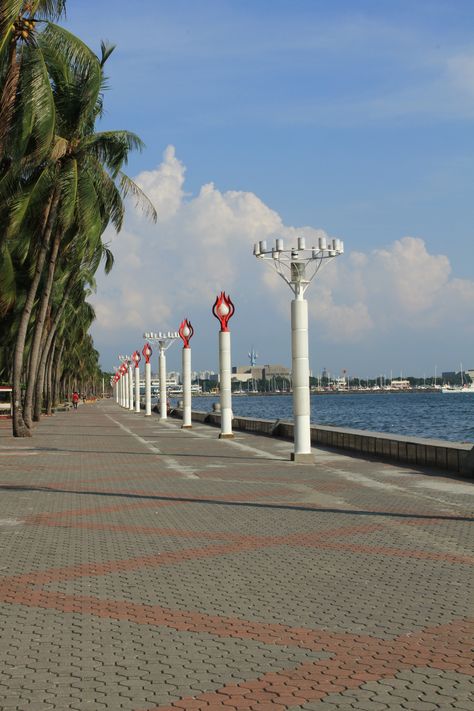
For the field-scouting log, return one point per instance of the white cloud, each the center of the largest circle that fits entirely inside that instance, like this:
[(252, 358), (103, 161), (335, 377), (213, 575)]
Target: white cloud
[(203, 244)]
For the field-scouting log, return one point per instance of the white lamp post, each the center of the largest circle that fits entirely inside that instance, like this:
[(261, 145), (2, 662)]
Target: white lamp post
[(223, 310), (116, 381), (147, 352), (123, 371), (127, 377), (298, 266), (119, 386), (186, 332), (130, 386), (136, 359), (164, 340), (120, 375)]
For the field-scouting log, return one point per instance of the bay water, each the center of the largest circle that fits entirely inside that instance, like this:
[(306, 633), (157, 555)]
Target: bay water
[(433, 414)]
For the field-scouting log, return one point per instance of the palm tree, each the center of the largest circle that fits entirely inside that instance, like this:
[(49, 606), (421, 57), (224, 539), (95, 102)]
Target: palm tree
[(27, 121), (61, 184), (85, 194)]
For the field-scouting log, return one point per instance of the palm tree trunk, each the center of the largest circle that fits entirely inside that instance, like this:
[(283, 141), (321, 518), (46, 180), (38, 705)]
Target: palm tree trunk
[(57, 375), (42, 349), (45, 349), (38, 334), (19, 427), (49, 378)]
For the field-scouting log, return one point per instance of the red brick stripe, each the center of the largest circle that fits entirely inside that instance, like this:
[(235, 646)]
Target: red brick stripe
[(349, 668)]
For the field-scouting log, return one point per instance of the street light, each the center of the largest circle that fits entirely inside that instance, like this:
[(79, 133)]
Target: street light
[(297, 266), (223, 310), (186, 332), (116, 380), (147, 352), (123, 370), (164, 340), (128, 382), (136, 359)]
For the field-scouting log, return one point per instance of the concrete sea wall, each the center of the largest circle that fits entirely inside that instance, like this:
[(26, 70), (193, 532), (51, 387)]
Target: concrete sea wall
[(451, 457)]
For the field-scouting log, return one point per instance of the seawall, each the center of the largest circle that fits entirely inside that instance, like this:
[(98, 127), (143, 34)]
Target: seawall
[(453, 457)]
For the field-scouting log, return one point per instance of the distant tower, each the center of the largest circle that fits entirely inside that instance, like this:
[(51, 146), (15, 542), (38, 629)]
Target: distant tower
[(253, 355)]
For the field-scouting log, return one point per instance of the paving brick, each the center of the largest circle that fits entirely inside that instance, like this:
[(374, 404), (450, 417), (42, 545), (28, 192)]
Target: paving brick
[(257, 584)]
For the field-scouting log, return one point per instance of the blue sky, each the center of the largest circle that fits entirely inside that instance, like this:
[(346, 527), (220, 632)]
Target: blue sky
[(352, 117)]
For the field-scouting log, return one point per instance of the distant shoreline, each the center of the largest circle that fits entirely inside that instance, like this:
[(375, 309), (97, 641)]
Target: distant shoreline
[(331, 392)]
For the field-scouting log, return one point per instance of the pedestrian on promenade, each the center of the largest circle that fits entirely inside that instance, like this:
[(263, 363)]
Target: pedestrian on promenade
[(75, 399)]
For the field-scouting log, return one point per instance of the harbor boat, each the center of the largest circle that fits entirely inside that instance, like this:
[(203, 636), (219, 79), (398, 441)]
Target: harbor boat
[(463, 388), (458, 389)]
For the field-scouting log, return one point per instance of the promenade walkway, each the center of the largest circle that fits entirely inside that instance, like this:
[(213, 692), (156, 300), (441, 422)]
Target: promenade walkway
[(144, 567)]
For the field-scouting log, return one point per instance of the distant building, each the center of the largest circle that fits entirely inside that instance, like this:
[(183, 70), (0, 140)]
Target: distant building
[(276, 371), (254, 372), (241, 377), (206, 375), (400, 384), (470, 372)]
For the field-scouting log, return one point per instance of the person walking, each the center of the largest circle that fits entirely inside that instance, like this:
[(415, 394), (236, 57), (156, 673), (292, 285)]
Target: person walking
[(75, 399)]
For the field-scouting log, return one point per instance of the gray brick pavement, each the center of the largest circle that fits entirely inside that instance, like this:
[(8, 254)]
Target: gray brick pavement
[(144, 567)]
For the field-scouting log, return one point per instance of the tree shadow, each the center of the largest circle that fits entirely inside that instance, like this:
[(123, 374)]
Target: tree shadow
[(238, 504)]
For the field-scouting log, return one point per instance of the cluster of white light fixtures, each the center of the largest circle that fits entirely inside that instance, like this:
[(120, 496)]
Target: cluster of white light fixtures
[(161, 335), (298, 265)]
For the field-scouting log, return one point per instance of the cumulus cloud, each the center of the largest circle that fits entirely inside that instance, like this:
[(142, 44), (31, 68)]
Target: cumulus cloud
[(203, 243)]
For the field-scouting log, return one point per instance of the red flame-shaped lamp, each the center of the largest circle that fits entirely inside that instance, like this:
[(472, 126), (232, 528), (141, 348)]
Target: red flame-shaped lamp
[(186, 331), (147, 352), (123, 368), (136, 358), (223, 310)]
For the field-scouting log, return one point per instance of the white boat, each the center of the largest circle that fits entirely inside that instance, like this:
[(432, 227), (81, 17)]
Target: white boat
[(463, 388), (458, 389)]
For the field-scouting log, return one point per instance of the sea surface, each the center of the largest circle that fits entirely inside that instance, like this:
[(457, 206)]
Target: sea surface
[(432, 415)]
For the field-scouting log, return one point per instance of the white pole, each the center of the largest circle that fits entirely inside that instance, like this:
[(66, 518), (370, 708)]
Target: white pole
[(137, 388), (187, 388), (121, 391), (162, 368), (225, 384), (147, 388), (300, 375), (130, 387), (126, 390)]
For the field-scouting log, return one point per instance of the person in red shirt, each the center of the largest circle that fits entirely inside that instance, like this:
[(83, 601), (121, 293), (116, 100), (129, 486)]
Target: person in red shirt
[(75, 399)]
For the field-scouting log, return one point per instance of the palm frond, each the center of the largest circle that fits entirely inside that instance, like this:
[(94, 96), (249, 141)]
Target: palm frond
[(7, 281), (108, 258), (48, 9), (106, 50), (68, 191), (63, 43), (9, 11), (129, 187), (112, 148), (37, 107), (111, 200), (25, 203)]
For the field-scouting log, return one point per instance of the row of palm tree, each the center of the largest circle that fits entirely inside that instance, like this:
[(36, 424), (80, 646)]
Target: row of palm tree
[(61, 185)]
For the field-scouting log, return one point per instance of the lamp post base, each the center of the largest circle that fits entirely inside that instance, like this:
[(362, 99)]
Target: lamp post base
[(226, 436), (186, 427), (302, 457)]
